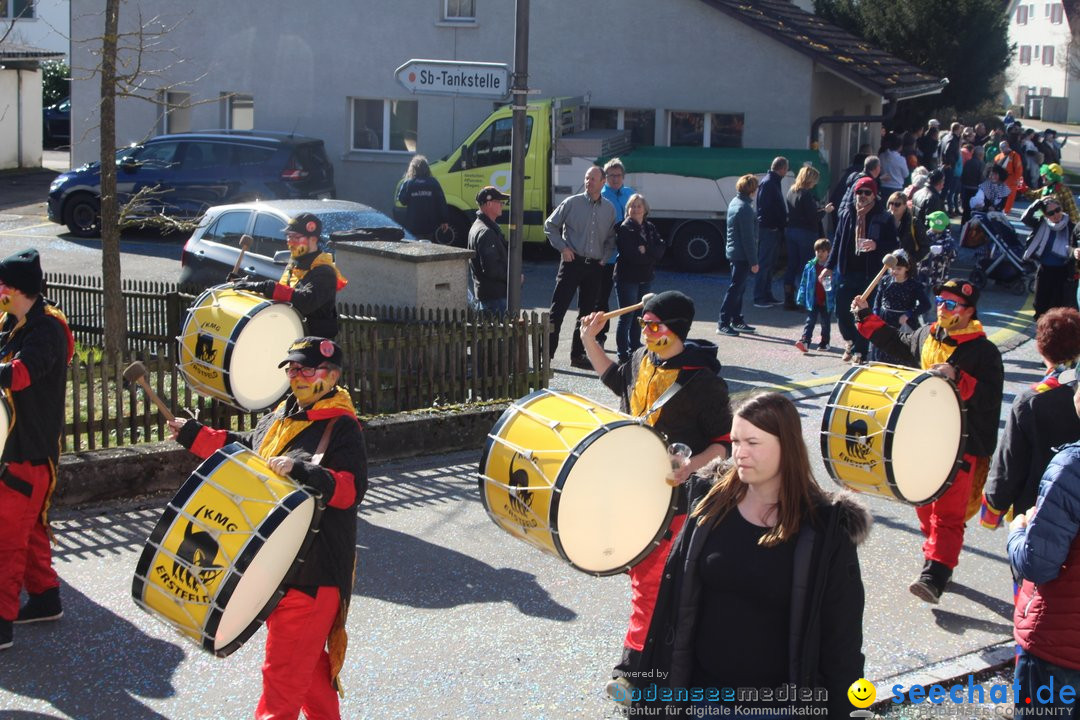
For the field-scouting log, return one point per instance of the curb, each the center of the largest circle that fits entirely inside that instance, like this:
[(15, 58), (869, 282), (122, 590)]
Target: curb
[(951, 671)]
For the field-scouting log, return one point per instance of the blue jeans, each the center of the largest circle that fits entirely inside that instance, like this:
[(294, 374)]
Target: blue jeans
[(800, 248), (819, 311), (851, 284), (731, 307), (497, 306), (1036, 677), (768, 243), (628, 331)]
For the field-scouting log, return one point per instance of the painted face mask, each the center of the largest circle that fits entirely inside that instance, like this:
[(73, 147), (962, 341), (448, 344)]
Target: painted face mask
[(308, 390), (658, 342), (5, 298), (297, 245)]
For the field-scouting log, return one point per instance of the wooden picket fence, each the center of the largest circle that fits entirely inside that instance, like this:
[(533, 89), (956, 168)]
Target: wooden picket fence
[(397, 359)]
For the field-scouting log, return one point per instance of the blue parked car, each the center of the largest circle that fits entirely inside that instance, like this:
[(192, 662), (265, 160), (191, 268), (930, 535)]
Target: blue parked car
[(56, 123), (184, 174)]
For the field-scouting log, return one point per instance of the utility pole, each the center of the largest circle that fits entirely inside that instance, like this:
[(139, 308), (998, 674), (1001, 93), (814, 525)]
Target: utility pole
[(517, 156)]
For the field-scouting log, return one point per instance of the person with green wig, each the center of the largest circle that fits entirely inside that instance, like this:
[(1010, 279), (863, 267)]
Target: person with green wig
[(1053, 175)]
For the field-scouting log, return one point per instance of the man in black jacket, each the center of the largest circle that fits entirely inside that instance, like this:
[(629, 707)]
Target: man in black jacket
[(35, 348), (305, 641), (950, 157), (490, 252), (310, 282), (771, 219)]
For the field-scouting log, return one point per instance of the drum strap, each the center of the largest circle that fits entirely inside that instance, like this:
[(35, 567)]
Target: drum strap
[(671, 392), (324, 441)]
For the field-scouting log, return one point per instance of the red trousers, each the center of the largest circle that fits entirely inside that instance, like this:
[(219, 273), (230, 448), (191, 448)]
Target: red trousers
[(25, 557), (942, 521), (296, 671), (645, 584)]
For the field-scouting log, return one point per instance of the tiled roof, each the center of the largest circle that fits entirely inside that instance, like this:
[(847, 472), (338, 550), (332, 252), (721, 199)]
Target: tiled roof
[(848, 55), (13, 51)]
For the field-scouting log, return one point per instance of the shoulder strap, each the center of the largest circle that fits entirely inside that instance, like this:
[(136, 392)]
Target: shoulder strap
[(324, 441), (672, 390)]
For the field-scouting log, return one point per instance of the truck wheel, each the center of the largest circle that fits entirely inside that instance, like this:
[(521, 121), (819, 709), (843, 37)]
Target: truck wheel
[(460, 224), (698, 246), (82, 215)]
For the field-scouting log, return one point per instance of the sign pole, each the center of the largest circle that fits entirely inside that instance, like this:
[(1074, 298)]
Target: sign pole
[(520, 91)]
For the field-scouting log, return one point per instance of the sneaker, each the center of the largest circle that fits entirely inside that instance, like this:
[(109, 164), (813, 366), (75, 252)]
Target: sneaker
[(581, 362), (764, 303), (42, 607), (619, 690), (741, 326), (857, 359), (823, 345), (6, 635), (726, 330), (931, 583), (848, 352), (800, 345)]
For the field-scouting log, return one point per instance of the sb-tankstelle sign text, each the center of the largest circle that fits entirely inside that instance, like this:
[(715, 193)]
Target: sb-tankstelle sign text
[(447, 77)]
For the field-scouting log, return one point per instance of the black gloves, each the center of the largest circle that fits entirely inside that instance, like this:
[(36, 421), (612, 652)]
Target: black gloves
[(259, 287)]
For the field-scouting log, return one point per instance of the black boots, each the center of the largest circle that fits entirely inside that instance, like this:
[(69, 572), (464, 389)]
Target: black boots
[(41, 607), (931, 583)]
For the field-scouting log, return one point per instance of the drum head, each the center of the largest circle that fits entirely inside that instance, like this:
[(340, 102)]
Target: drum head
[(256, 380), (927, 437), (614, 501)]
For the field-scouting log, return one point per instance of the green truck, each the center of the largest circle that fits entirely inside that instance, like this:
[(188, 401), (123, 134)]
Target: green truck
[(688, 188)]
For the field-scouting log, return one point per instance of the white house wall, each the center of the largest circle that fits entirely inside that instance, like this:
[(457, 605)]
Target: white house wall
[(1039, 32), (47, 30), (302, 66), (20, 118)]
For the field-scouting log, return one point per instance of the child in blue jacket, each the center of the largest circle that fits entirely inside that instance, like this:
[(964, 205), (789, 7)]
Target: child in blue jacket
[(818, 299)]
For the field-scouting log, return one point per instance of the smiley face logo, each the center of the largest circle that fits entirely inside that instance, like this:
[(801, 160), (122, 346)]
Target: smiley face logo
[(862, 693)]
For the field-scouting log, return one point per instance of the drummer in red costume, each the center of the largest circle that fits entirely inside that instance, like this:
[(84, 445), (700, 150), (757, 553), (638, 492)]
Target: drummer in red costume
[(35, 348), (955, 347), (305, 642), (310, 282), (674, 383)]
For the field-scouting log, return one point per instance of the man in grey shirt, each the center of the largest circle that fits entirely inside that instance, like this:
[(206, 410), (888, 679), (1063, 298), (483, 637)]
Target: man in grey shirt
[(582, 229)]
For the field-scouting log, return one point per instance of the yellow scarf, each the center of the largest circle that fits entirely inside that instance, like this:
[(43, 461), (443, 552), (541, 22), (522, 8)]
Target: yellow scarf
[(294, 274), (652, 382), (936, 351), (284, 429)]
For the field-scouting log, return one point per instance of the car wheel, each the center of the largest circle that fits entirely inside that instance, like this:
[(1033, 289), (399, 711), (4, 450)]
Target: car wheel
[(82, 215), (698, 246)]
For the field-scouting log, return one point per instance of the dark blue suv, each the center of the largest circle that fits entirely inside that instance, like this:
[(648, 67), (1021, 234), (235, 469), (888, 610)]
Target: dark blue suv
[(181, 175)]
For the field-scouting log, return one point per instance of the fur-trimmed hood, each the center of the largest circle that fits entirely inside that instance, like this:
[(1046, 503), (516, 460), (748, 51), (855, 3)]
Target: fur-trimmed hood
[(855, 519)]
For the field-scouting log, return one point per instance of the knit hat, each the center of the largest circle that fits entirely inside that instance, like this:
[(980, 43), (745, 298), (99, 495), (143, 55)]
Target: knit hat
[(22, 271), (675, 309), (865, 182), (313, 351), (961, 288), (937, 220), (306, 224)]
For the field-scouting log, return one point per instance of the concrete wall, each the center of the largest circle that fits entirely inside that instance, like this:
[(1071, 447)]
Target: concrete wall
[(20, 118), (302, 73), (47, 30)]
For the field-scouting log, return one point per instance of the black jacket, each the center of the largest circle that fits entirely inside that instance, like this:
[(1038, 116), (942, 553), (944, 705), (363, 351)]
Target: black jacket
[(924, 202), (640, 248), (825, 642), (803, 211), (312, 291), (843, 256), (771, 207), (1039, 423), (330, 558), (425, 205), (33, 365), (489, 260)]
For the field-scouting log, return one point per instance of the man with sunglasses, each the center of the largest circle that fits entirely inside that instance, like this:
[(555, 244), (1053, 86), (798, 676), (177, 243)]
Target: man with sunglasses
[(313, 437), (1051, 247), (674, 384), (310, 281), (955, 347)]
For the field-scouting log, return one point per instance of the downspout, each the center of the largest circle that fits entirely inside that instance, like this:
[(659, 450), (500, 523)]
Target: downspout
[(18, 119)]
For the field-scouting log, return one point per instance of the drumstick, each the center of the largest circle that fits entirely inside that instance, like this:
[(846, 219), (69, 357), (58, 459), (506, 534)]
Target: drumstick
[(629, 308), (136, 372), (246, 241), (887, 262)]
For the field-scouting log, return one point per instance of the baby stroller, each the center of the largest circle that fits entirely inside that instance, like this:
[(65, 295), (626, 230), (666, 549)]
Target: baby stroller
[(999, 253)]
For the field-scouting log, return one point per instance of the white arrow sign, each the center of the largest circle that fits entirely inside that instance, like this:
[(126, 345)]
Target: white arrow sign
[(450, 77)]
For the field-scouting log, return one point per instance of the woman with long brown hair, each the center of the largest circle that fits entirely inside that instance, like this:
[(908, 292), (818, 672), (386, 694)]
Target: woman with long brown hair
[(803, 229), (762, 588)]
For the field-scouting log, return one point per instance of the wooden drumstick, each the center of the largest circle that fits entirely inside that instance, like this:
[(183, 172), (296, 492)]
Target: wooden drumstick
[(136, 372), (629, 308), (888, 262), (246, 241)]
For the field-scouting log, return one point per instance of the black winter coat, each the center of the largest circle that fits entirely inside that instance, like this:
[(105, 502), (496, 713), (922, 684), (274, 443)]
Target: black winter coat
[(825, 643), (640, 248), (489, 262)]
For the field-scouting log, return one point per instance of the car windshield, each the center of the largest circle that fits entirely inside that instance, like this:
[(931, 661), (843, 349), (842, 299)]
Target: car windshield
[(343, 225)]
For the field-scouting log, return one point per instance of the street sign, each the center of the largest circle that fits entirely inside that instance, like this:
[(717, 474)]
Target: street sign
[(450, 77)]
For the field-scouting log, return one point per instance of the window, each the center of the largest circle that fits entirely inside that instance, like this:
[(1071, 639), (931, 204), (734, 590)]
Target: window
[(1021, 14), (1046, 10), (202, 155), (387, 125), (1036, 55), (1025, 54), (17, 9), (459, 11), (158, 155), (694, 129), (177, 116), (228, 228), (1048, 55), (1045, 91), (239, 111), (641, 122), (1056, 14), (269, 235), (492, 145)]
